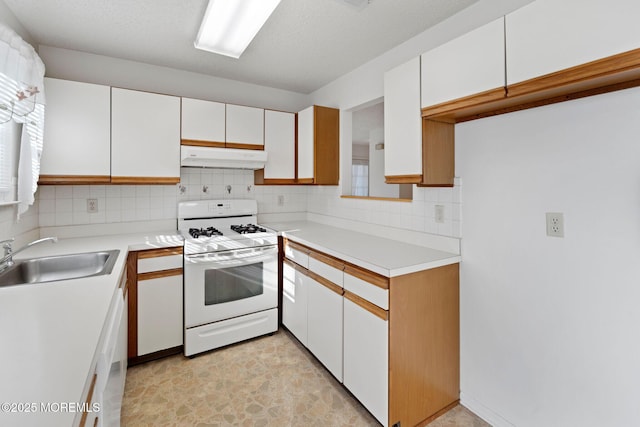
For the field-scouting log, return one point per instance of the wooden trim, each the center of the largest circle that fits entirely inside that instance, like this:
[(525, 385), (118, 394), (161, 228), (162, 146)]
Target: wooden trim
[(521, 104), (368, 276), (295, 149), (370, 307), (326, 145), (136, 360), (304, 181), (159, 274), (325, 282), (613, 67), (297, 246), (243, 146), (438, 414), (200, 143), (438, 153), (259, 179), (85, 413), (610, 74), (424, 343), (160, 252), (132, 281), (485, 97), (387, 199), (278, 181), (146, 180), (327, 259), (73, 179), (403, 179), (295, 266)]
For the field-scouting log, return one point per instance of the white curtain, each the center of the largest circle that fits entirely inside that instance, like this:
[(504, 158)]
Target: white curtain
[(22, 100)]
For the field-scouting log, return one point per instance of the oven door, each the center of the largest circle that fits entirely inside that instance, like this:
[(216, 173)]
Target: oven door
[(222, 285)]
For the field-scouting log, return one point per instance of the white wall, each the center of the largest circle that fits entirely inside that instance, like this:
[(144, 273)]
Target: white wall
[(364, 86), (549, 326), (377, 185), (85, 67)]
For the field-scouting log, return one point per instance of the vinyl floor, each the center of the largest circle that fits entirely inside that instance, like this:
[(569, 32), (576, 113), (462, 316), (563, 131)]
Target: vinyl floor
[(267, 381)]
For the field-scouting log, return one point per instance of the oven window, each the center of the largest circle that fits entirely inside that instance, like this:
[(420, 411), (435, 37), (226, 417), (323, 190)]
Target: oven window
[(232, 284)]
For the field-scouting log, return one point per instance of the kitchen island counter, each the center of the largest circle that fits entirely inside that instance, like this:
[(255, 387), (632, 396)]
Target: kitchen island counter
[(381, 255), (50, 332)]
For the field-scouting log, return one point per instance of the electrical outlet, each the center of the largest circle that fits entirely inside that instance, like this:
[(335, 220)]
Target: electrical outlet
[(92, 205), (280, 200), (555, 224), (439, 213)]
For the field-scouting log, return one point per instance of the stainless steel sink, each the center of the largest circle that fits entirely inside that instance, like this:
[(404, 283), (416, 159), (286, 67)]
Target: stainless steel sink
[(61, 267)]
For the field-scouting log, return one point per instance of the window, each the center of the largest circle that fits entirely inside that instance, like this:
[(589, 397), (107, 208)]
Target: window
[(8, 165)]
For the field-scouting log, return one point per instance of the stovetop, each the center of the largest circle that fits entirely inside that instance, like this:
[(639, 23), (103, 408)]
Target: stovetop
[(220, 225)]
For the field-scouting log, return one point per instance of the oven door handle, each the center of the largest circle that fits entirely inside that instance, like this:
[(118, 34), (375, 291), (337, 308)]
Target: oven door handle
[(234, 255)]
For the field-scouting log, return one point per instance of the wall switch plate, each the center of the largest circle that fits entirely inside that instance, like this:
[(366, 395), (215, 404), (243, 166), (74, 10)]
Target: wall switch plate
[(555, 224), (92, 205), (439, 213)]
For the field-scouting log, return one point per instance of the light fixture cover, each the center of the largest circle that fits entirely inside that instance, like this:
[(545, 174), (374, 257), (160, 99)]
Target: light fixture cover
[(229, 26)]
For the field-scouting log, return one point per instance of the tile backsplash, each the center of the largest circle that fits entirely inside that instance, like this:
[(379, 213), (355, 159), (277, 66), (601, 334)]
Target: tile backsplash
[(67, 205)]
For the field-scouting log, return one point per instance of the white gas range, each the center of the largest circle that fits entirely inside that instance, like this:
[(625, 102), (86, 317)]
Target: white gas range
[(230, 274)]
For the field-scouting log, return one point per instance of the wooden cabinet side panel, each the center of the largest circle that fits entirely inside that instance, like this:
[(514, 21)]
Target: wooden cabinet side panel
[(424, 344), (438, 153), (327, 146)]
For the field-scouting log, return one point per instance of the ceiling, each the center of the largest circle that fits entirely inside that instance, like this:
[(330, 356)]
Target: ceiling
[(304, 45)]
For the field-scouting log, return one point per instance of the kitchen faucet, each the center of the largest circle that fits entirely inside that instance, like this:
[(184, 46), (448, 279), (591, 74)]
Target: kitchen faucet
[(7, 260)]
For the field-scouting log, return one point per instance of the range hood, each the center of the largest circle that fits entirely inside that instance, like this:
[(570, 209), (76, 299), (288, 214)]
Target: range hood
[(229, 158)]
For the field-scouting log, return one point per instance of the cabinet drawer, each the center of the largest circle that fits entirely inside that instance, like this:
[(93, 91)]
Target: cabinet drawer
[(159, 263), (319, 264), (366, 290), (297, 254)]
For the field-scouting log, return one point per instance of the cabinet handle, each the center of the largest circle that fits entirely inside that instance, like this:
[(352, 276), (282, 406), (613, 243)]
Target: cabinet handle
[(370, 307)]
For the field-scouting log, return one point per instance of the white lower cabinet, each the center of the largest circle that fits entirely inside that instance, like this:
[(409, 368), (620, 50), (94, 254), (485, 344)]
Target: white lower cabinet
[(324, 325), (294, 302), (366, 359), (159, 314)]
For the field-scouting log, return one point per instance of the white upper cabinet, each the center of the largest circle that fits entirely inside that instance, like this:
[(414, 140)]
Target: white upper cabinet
[(403, 122), (145, 137), (203, 120), (280, 144), (245, 126), (77, 130), (548, 35), (306, 143), (468, 65)]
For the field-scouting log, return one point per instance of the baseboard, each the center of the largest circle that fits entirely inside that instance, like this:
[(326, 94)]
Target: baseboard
[(478, 408)]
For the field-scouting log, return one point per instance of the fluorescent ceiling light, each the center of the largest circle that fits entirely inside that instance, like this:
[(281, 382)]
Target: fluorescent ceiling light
[(229, 26)]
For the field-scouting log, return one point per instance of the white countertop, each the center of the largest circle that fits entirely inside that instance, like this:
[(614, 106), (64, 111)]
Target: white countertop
[(387, 257), (49, 332)]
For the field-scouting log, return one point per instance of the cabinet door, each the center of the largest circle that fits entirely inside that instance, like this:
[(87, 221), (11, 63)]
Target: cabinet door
[(366, 362), (145, 137), (324, 326), (547, 36), (77, 131), (294, 302), (280, 144), (203, 121), (160, 323), (468, 65), (245, 127), (305, 143), (403, 124)]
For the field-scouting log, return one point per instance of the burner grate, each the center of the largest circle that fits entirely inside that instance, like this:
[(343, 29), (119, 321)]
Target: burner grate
[(204, 232), (248, 229)]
